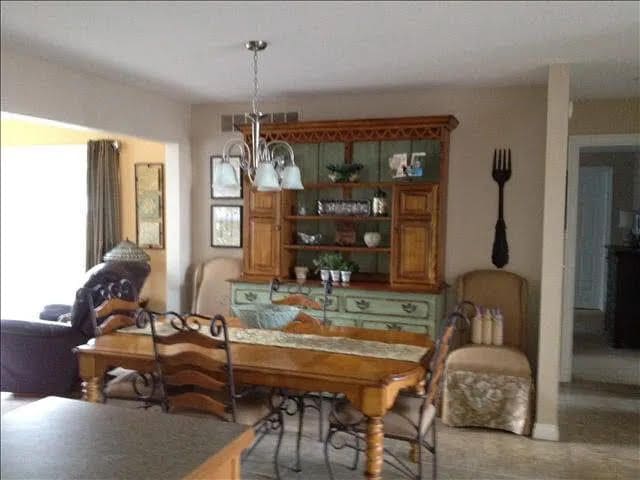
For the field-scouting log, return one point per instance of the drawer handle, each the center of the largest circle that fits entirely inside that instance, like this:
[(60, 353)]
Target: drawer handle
[(409, 307), (394, 326), (328, 303), (250, 296), (362, 304)]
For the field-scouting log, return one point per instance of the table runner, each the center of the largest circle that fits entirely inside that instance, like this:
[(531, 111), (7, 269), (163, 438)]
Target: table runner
[(303, 341)]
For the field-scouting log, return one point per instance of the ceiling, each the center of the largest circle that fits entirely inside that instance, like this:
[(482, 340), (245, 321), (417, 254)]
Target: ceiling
[(194, 51)]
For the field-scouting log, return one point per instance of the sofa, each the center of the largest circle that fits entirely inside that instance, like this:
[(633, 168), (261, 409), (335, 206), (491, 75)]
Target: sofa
[(36, 356)]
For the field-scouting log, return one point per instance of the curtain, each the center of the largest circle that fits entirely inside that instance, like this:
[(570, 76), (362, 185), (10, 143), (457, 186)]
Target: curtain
[(103, 199)]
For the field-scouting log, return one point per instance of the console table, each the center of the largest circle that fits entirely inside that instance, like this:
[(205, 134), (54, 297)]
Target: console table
[(622, 312)]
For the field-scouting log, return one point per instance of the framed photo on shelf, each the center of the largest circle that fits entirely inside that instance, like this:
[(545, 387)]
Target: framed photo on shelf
[(225, 192), (226, 226)]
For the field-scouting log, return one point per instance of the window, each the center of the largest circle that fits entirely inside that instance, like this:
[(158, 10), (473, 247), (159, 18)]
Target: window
[(43, 217)]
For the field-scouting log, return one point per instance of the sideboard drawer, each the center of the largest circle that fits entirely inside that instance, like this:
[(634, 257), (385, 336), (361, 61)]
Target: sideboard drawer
[(333, 302), (242, 296), (403, 327), (379, 306)]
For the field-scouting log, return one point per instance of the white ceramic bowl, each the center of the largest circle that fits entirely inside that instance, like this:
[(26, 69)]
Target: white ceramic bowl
[(372, 239)]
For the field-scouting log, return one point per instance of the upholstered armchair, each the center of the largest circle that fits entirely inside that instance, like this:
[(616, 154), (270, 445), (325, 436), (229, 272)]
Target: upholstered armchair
[(211, 290), (485, 385)]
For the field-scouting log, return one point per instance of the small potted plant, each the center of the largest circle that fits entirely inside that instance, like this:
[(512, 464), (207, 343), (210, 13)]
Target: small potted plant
[(346, 269), (328, 264), (344, 172)]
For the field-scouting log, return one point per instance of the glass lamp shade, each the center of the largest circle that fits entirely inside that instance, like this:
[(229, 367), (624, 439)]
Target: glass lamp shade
[(267, 178), (225, 176), (291, 178)]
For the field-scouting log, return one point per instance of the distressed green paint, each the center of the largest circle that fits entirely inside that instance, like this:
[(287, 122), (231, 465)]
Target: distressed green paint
[(387, 310)]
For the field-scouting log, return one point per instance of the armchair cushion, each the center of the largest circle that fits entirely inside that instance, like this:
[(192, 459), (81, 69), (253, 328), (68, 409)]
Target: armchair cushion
[(489, 359)]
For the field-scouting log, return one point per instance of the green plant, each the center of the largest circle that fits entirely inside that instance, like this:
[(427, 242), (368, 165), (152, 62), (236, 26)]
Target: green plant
[(349, 266), (328, 261), (343, 171)]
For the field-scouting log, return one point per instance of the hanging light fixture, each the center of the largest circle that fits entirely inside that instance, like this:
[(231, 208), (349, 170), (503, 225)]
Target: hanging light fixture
[(270, 166)]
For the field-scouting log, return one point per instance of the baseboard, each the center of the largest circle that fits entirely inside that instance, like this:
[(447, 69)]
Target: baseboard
[(546, 431)]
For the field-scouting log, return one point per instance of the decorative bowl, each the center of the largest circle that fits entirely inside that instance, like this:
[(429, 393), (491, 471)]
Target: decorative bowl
[(372, 239), (265, 315), (308, 239)]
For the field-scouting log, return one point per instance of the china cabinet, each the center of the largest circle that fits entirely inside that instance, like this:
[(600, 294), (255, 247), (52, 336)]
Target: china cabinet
[(410, 255)]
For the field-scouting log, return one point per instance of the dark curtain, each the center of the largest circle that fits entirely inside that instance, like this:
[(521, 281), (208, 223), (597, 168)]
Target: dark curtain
[(103, 205)]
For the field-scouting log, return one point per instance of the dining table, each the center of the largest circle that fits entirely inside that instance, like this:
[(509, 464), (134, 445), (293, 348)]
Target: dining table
[(59, 437), (368, 376)]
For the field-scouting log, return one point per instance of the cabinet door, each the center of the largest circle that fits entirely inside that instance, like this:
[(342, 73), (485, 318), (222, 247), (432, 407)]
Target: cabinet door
[(417, 201), (262, 256), (415, 253), (263, 203)]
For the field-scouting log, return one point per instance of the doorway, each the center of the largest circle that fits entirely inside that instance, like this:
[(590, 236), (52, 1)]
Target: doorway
[(595, 163)]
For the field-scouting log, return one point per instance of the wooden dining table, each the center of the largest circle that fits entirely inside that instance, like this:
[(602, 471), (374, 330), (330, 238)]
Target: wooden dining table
[(370, 383)]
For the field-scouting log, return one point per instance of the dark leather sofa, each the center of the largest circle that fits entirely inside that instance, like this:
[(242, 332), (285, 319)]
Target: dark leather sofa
[(36, 356)]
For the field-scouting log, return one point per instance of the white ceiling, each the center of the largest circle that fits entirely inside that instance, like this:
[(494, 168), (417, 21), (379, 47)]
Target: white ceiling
[(194, 51)]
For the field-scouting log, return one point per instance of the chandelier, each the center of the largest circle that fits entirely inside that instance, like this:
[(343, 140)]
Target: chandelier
[(270, 166)]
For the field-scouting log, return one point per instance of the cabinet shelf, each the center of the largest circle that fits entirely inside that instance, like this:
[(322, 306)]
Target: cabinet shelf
[(348, 185), (339, 248), (340, 218)]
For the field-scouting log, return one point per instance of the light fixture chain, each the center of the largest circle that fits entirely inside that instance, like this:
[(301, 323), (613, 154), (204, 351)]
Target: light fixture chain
[(254, 102)]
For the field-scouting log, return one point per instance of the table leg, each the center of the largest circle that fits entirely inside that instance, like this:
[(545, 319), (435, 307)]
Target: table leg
[(91, 389), (375, 438)]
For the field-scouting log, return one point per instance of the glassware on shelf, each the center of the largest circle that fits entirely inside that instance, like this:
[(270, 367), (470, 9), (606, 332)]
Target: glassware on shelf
[(344, 207)]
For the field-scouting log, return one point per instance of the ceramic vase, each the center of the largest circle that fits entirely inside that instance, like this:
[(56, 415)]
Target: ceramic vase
[(372, 239), (335, 276), (325, 275), (345, 275)]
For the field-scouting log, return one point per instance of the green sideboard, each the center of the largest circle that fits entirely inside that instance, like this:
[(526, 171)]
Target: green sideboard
[(358, 307)]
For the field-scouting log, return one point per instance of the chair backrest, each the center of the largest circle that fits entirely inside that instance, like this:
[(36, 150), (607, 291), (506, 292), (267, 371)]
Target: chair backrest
[(499, 289), (194, 368), (211, 289), (110, 306), (299, 298), (443, 346)]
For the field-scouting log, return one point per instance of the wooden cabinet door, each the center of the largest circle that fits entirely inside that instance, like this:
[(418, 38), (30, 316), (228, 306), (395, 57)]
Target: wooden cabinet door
[(414, 251), (262, 256)]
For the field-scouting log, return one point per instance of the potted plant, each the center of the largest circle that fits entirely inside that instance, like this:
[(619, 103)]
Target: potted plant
[(346, 269), (344, 172), (329, 263)]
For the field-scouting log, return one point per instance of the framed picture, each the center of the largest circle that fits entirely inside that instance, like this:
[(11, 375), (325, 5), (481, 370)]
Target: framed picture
[(149, 205), (226, 226), (225, 192)]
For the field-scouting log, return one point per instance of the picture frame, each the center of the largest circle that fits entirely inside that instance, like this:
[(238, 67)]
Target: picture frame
[(149, 191), (225, 192), (226, 226)]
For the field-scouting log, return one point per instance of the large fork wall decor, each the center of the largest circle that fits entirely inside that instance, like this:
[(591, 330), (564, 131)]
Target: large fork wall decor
[(501, 173)]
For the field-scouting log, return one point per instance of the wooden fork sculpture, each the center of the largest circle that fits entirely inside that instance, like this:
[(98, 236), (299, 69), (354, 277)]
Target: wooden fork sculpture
[(501, 173)]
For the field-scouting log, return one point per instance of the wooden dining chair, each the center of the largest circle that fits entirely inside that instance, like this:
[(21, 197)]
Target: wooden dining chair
[(411, 419), (195, 372)]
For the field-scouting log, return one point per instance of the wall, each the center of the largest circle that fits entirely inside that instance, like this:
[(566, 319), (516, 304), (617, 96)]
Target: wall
[(605, 116), (33, 86), (625, 167), (17, 132), (489, 119)]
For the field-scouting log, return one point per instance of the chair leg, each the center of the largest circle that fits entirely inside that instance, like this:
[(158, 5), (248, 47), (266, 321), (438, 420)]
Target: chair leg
[(300, 401), (434, 473), (280, 435), (327, 442), (356, 457), (321, 417), (419, 447)]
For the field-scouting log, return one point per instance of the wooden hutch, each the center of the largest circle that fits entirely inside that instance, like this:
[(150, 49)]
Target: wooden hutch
[(400, 283)]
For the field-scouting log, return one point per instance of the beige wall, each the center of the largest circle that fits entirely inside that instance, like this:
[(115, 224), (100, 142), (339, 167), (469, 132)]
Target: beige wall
[(605, 116), (489, 118), (16, 132)]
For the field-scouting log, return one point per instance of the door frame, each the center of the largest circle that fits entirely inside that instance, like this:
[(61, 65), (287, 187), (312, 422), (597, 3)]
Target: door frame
[(576, 143), (608, 194)]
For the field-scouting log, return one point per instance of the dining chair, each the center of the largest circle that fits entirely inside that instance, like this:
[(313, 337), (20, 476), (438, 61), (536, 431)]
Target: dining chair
[(297, 402), (194, 381), (412, 418)]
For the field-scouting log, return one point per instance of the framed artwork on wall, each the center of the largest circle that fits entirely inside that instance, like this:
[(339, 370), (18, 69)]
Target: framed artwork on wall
[(226, 226), (225, 192), (149, 181)]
